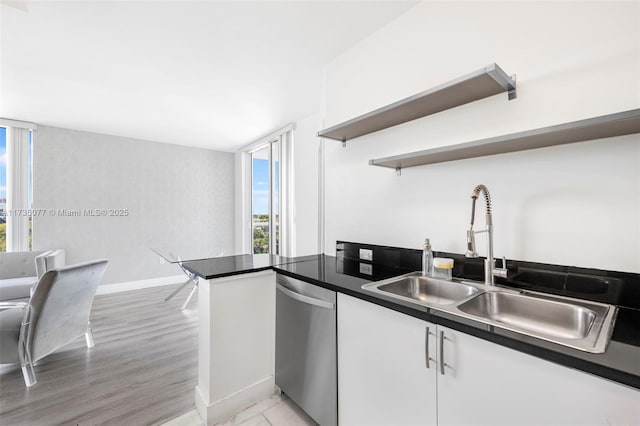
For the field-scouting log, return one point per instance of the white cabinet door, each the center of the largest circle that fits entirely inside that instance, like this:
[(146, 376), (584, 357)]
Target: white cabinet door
[(383, 377), (488, 384)]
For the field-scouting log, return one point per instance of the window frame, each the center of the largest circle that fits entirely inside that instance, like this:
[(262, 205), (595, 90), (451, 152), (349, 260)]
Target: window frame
[(284, 138), (19, 143)]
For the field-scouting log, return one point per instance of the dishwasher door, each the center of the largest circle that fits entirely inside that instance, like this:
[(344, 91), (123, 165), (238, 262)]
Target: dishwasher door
[(306, 355)]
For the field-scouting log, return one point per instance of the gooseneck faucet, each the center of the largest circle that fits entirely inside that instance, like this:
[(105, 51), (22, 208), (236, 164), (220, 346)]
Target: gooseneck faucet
[(489, 264)]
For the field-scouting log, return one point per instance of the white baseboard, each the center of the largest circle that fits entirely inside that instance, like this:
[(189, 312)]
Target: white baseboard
[(137, 285), (218, 411)]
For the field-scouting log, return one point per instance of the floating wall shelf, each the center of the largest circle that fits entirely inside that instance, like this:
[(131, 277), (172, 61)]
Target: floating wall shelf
[(483, 83), (618, 124)]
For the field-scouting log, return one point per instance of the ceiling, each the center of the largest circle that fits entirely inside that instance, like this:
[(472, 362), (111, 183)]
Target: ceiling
[(210, 74)]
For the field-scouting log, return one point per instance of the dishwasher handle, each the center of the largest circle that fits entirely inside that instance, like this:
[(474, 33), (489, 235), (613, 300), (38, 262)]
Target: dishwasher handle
[(305, 299)]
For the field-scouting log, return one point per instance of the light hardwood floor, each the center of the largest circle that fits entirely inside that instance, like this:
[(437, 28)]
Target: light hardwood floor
[(142, 370)]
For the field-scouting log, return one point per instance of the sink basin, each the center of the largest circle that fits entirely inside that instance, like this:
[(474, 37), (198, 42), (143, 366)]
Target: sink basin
[(579, 324), (554, 318), (575, 323), (426, 291)]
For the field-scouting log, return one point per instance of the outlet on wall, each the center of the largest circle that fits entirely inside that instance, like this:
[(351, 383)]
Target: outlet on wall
[(366, 255), (366, 268)]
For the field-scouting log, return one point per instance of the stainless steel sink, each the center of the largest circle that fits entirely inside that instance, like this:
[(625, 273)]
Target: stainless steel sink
[(426, 291), (575, 323), (554, 318), (579, 324)]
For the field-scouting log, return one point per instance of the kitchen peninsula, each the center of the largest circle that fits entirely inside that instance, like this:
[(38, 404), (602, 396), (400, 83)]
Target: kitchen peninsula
[(237, 323)]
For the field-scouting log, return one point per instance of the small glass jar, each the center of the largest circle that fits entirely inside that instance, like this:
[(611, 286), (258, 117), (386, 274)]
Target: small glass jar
[(443, 268)]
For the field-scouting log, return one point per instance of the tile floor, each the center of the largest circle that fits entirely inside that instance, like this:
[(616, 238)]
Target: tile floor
[(278, 410)]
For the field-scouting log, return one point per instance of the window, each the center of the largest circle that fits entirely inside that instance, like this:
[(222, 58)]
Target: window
[(266, 204), (16, 150), (265, 198), (30, 188), (3, 189)]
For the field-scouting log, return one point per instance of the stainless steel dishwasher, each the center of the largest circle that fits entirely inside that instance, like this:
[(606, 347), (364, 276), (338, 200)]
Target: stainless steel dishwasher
[(306, 355)]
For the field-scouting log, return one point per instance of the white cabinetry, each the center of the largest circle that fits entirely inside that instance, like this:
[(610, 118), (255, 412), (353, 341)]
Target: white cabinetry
[(383, 379), (382, 374), (488, 384)]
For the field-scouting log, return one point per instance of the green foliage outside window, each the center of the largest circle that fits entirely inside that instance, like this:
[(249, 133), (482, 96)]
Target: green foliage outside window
[(261, 234), (3, 237), (261, 239)]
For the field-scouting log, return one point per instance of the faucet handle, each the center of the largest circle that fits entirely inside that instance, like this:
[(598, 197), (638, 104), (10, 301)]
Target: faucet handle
[(501, 272)]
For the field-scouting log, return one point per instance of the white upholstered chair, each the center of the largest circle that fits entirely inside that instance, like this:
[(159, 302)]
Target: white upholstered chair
[(57, 313), (20, 271)]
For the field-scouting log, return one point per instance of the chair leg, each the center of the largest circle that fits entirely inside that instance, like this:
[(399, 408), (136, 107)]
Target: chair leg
[(24, 350), (29, 375), (26, 364), (88, 336)]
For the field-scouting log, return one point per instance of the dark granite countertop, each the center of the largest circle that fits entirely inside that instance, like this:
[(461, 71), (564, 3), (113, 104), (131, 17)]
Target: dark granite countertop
[(620, 362), (218, 267)]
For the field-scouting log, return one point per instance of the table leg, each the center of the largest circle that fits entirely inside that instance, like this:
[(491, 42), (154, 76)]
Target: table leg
[(193, 290), (176, 291), (192, 279)]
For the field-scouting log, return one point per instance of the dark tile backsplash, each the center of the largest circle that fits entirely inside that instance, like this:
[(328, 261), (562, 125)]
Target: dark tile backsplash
[(616, 288)]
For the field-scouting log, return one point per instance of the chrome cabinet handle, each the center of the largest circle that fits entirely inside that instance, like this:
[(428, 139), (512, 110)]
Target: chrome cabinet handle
[(427, 358), (426, 347), (441, 352)]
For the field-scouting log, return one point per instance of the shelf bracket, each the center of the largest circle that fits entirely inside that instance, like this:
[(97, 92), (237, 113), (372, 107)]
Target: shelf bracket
[(344, 143), (512, 89), (399, 171)]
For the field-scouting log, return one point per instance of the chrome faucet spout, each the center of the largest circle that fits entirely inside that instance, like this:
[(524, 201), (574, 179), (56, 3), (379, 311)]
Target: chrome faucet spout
[(487, 197), (489, 266), (471, 244)]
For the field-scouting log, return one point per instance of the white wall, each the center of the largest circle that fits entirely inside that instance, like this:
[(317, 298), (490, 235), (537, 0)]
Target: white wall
[(176, 196), (577, 204), (306, 144)]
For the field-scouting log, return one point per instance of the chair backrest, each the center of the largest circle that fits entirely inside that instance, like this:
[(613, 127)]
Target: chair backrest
[(49, 260), (61, 305), (55, 259), (41, 263)]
